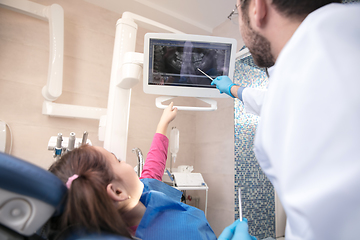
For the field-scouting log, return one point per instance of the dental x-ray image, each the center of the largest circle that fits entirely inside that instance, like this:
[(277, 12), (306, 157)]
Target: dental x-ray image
[(177, 64)]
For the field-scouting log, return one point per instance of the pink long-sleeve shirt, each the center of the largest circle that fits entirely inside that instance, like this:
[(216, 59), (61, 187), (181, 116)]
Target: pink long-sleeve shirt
[(156, 158)]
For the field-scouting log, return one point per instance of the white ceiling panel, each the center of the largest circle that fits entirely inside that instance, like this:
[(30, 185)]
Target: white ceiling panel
[(189, 16)]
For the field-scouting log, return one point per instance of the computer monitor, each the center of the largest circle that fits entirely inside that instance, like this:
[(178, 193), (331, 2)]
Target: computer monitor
[(171, 63)]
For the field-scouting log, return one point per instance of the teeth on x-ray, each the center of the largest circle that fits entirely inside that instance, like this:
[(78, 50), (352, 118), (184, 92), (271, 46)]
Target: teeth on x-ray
[(178, 64)]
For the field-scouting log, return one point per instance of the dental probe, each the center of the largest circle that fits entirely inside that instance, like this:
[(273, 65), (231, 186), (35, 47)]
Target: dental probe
[(84, 139), (205, 74), (240, 209)]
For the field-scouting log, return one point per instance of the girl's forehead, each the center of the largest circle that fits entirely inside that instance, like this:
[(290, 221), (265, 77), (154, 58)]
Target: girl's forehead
[(108, 155), (117, 159)]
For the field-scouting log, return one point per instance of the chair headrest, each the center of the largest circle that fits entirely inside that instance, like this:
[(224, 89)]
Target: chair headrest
[(27, 179)]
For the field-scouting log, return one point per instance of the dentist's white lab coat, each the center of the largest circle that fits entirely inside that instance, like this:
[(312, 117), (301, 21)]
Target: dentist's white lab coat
[(253, 99), (308, 139)]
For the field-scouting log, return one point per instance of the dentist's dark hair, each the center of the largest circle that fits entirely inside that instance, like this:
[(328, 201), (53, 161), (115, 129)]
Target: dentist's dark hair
[(88, 206), (293, 8)]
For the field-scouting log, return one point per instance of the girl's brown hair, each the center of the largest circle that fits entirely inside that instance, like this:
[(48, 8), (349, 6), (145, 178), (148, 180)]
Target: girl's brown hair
[(88, 205)]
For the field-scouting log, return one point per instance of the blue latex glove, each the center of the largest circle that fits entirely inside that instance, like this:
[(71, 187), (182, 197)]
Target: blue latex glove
[(239, 230), (224, 84)]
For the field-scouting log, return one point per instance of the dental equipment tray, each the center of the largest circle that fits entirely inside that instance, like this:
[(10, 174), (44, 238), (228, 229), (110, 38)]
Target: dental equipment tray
[(183, 179)]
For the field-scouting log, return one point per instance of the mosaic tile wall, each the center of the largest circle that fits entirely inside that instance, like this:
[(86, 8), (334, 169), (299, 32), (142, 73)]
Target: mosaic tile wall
[(350, 1), (257, 193)]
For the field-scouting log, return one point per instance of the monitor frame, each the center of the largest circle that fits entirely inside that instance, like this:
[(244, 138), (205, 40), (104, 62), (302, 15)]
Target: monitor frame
[(186, 91)]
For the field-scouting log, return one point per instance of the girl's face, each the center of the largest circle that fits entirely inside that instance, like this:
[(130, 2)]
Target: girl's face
[(127, 179)]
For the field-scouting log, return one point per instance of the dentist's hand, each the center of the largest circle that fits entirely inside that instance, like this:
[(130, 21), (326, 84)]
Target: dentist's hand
[(239, 230), (224, 84)]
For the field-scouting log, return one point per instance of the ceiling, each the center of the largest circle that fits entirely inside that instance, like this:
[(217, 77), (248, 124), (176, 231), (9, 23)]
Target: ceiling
[(188, 16)]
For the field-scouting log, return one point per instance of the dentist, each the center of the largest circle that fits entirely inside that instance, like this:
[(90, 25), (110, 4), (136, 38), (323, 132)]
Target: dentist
[(307, 141)]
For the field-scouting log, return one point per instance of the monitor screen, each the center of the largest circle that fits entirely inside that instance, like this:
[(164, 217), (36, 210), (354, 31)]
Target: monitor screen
[(172, 63)]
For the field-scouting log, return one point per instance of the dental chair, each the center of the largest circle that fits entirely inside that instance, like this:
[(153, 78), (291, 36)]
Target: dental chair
[(29, 197)]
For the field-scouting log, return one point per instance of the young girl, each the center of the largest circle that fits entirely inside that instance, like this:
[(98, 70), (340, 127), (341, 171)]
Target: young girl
[(105, 194)]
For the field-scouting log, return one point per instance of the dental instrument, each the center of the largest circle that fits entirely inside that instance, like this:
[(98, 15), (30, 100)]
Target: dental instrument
[(61, 145), (71, 144), (84, 139), (240, 209), (169, 174), (58, 148), (205, 74)]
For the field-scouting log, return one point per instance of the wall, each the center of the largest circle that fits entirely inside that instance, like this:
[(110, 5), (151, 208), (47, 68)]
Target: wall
[(24, 47)]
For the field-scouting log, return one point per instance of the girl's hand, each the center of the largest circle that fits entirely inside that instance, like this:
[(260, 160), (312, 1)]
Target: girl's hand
[(168, 115)]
